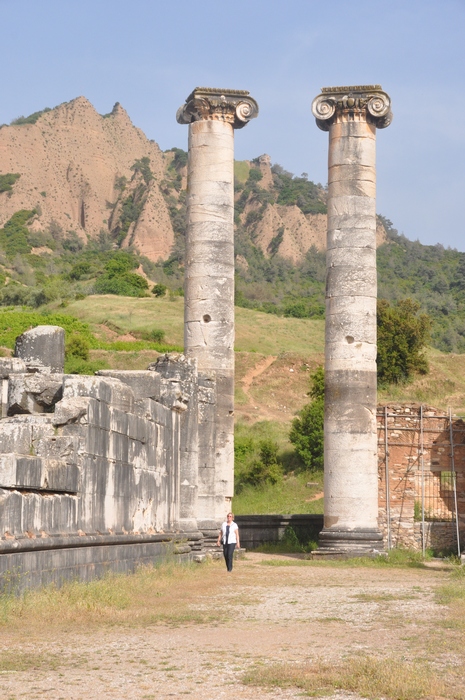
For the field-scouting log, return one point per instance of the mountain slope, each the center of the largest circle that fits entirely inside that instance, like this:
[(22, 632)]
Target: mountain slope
[(70, 161)]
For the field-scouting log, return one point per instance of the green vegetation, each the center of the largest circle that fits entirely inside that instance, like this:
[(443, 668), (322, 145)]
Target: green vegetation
[(118, 278), (149, 596), (307, 429), (7, 181), (402, 338), (31, 119), (14, 235), (79, 339), (269, 477), (299, 191)]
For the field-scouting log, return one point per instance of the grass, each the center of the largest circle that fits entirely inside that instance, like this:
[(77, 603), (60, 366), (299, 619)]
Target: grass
[(267, 334), (28, 661), (371, 677), (289, 496), (399, 558), (144, 598), (255, 331)]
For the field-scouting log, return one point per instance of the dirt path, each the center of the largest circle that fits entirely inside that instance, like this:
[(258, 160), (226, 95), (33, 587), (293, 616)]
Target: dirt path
[(255, 372), (271, 608), (247, 381)]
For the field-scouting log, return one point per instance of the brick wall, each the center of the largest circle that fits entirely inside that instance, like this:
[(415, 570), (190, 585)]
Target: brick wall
[(420, 464)]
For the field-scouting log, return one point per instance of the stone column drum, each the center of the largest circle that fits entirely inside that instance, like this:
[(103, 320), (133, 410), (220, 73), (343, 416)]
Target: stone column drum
[(212, 115), (351, 115)]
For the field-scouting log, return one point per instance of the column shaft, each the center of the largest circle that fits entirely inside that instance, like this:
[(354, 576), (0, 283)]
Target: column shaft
[(209, 298), (350, 459), (212, 115)]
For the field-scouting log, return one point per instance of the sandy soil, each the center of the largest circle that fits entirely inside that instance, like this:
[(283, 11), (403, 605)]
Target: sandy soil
[(273, 613)]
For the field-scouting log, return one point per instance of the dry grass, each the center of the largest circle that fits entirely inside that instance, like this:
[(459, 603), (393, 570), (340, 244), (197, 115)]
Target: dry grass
[(28, 661), (371, 677), (153, 595), (298, 344)]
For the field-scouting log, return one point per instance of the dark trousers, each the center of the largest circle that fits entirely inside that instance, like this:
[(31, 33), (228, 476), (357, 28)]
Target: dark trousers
[(228, 552)]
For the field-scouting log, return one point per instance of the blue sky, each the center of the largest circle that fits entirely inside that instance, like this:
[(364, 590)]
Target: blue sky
[(150, 54)]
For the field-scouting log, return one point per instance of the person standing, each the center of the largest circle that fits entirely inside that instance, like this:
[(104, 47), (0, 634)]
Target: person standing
[(229, 537)]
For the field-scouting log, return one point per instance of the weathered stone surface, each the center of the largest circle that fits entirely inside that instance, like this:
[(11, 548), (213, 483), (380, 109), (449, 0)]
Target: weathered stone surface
[(20, 471), (144, 384), (107, 389), (11, 365), (34, 393), (209, 271), (42, 348), (72, 409), (351, 115)]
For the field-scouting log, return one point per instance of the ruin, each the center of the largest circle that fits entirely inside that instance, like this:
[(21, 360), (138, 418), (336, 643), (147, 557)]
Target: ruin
[(351, 115), (95, 472), (212, 115)]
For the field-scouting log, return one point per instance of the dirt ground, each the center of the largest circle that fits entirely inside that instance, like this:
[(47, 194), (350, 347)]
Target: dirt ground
[(270, 608)]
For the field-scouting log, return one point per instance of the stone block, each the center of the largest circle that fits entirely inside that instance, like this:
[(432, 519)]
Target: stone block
[(11, 365), (21, 471), (15, 436), (97, 441), (159, 413), (110, 390), (118, 447), (71, 409), (42, 348), (137, 427), (119, 421), (59, 476), (34, 393), (144, 384), (99, 414), (63, 448)]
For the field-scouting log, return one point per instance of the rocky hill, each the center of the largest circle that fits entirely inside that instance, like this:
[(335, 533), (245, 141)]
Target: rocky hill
[(73, 163), (85, 172)]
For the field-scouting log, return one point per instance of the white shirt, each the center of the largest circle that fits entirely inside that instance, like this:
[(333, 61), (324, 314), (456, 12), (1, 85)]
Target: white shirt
[(232, 532)]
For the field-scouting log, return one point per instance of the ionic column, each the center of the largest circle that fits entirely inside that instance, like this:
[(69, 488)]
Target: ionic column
[(351, 115), (212, 116)]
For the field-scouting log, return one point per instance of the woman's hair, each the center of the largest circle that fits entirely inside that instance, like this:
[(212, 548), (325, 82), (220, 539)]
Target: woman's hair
[(232, 514)]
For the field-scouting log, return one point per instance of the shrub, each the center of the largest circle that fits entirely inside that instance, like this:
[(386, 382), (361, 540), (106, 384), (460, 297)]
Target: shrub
[(265, 469), (307, 433), (7, 181), (31, 119), (77, 347), (402, 337), (14, 236), (159, 290)]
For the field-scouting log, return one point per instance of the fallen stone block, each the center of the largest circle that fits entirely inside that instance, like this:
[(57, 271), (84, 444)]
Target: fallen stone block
[(34, 393), (72, 409)]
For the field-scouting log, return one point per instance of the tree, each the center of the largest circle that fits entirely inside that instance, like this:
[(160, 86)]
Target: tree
[(307, 429), (402, 336)]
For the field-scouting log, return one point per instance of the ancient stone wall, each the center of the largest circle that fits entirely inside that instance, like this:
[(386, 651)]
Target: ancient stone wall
[(422, 455), (91, 463)]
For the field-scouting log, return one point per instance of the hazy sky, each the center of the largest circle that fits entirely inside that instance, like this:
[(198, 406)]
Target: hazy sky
[(150, 54)]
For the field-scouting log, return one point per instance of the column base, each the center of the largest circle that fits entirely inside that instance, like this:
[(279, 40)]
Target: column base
[(342, 544)]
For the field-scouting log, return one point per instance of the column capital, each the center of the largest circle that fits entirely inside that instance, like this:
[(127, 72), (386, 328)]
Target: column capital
[(217, 104), (352, 103)]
